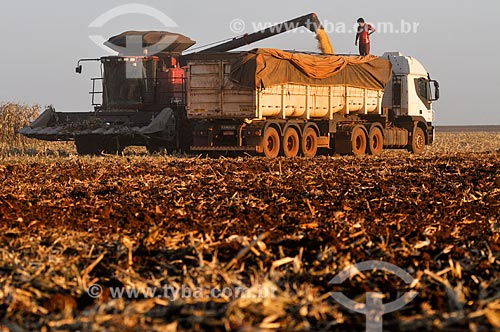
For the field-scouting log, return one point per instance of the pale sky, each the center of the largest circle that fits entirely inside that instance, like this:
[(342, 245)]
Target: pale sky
[(457, 41)]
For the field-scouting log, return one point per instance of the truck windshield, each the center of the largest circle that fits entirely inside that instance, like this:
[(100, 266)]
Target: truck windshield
[(129, 81)]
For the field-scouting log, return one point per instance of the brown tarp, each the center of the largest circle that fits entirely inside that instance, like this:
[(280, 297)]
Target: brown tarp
[(263, 68)]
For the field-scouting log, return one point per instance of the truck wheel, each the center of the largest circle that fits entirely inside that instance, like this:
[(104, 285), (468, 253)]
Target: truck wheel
[(358, 141), (291, 143), (309, 143), (418, 141), (375, 142), (271, 143)]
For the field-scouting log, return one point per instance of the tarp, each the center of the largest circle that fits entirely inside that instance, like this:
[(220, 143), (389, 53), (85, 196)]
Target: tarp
[(158, 41), (261, 68)]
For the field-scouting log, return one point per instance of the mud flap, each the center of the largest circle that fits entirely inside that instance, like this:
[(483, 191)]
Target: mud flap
[(343, 144)]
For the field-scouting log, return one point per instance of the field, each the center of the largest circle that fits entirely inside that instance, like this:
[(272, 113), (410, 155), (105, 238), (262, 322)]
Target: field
[(171, 230)]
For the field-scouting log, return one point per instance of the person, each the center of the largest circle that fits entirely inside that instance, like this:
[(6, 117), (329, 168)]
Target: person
[(363, 37)]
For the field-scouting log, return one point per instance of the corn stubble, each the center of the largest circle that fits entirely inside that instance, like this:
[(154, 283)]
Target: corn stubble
[(16, 116), (282, 228)]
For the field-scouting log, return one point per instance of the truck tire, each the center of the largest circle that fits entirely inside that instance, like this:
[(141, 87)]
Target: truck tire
[(358, 141), (271, 143), (291, 143), (375, 142), (309, 144), (417, 141)]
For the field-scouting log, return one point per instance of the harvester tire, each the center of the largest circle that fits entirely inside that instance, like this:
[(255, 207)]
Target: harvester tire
[(87, 146), (157, 149)]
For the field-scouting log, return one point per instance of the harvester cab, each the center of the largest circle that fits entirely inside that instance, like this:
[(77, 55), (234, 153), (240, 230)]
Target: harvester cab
[(145, 75), (138, 82)]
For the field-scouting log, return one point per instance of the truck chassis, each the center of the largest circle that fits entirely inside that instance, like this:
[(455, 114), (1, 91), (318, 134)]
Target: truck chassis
[(357, 135)]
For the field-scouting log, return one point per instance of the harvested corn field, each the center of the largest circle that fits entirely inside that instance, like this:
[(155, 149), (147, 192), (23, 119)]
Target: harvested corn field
[(142, 243)]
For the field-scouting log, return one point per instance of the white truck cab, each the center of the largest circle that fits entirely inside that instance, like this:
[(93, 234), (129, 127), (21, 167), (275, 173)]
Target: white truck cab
[(411, 90)]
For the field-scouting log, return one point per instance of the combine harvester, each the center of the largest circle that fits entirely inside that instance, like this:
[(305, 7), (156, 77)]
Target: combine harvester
[(266, 101)]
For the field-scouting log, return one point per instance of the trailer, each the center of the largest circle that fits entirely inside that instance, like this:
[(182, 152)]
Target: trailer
[(273, 103)]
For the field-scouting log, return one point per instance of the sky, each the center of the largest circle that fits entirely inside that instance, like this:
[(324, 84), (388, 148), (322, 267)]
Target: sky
[(457, 41)]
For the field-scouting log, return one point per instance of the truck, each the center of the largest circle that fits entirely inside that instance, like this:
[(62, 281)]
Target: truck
[(273, 103), (213, 101)]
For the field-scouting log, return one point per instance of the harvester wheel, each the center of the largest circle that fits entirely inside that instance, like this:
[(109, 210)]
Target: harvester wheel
[(291, 143), (358, 141), (157, 149), (375, 142), (271, 143), (309, 143), (88, 146), (417, 141)]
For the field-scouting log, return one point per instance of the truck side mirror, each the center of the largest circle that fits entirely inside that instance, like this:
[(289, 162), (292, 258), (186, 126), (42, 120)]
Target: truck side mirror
[(436, 91), (79, 69)]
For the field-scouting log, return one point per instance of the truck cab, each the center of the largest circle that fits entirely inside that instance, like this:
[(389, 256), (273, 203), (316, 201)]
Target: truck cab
[(411, 92)]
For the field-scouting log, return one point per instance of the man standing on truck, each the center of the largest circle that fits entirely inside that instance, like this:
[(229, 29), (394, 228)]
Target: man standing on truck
[(363, 36)]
